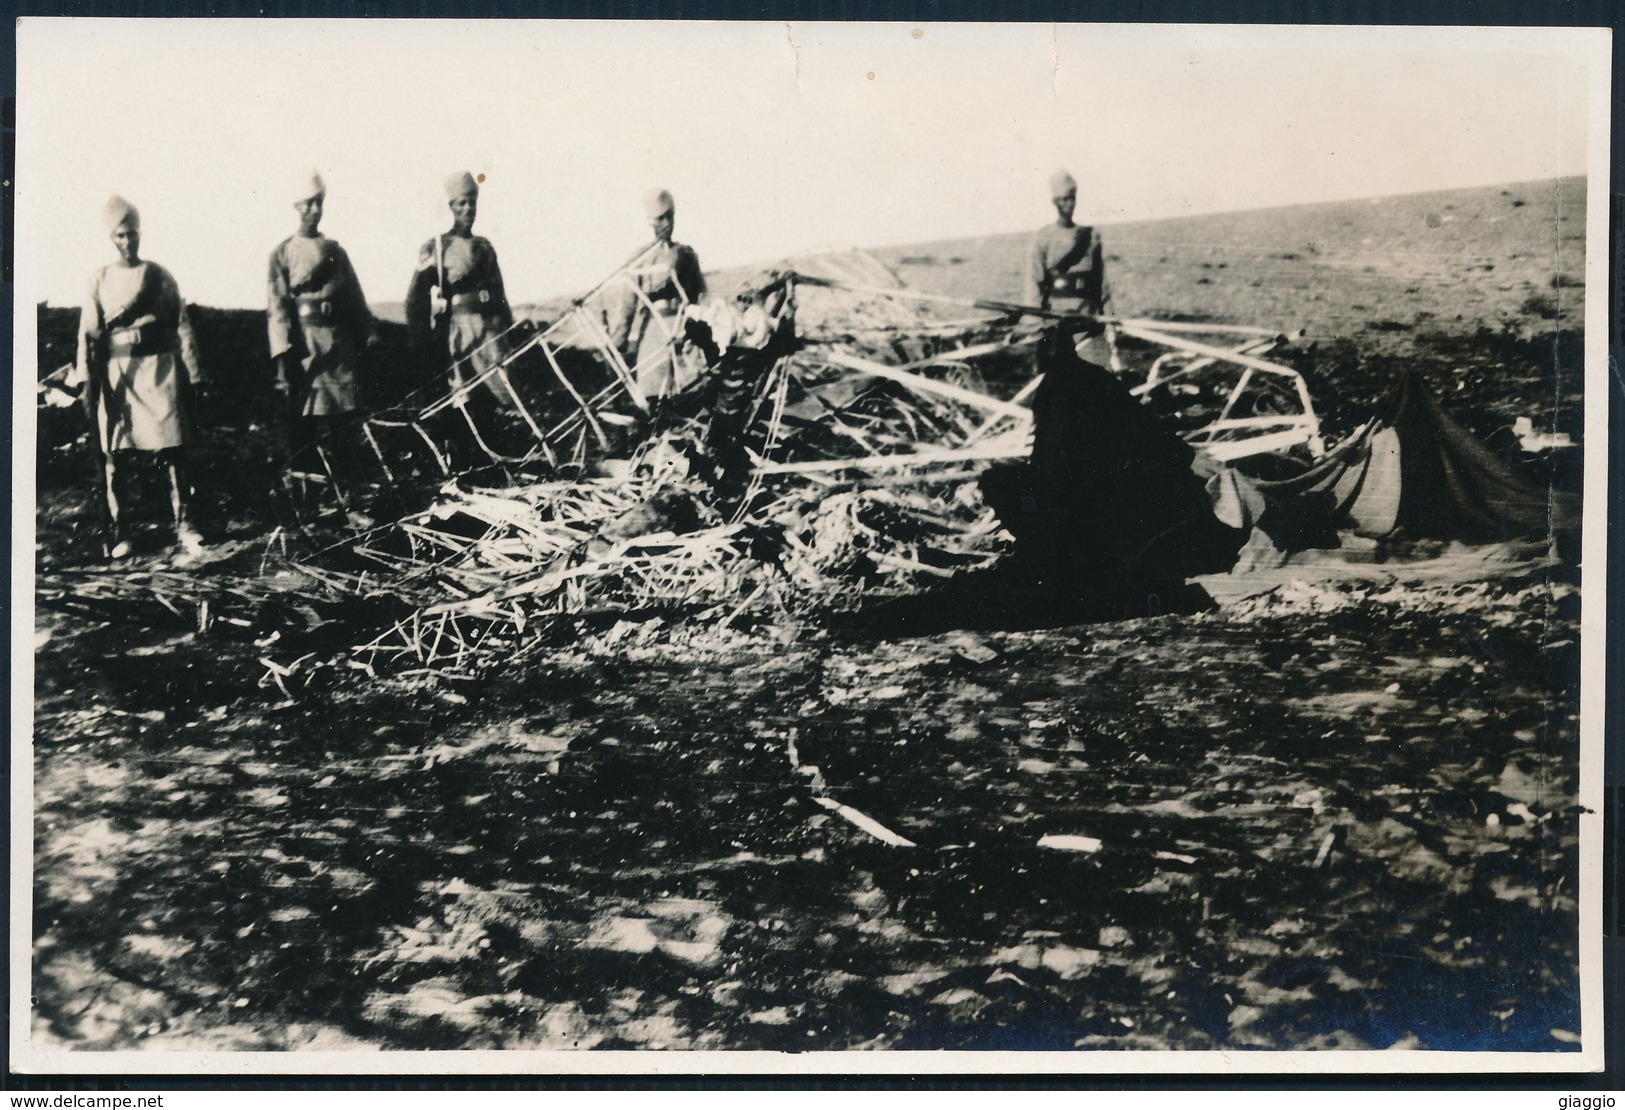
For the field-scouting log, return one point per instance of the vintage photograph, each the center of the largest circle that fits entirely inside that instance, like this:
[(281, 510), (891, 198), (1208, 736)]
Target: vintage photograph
[(820, 546)]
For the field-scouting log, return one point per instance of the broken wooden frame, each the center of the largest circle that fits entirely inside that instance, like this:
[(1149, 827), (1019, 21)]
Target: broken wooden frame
[(864, 442), (871, 310), (1228, 436), (490, 570), (409, 446), (868, 431)]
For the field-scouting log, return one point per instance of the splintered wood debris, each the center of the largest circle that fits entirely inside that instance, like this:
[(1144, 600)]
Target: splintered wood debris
[(819, 446)]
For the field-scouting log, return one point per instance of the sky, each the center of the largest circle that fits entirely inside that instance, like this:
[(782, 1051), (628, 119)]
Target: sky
[(774, 138)]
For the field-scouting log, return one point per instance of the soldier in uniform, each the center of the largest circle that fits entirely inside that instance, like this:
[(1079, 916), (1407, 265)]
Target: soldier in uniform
[(667, 275), (137, 360), (456, 307), (1066, 269), (457, 320), (318, 320)]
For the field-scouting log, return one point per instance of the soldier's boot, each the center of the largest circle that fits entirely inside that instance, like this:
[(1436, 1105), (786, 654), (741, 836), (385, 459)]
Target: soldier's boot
[(189, 538), (118, 541)]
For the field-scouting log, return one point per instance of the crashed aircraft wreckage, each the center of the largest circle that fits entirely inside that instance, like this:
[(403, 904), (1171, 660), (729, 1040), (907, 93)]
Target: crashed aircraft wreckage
[(828, 441)]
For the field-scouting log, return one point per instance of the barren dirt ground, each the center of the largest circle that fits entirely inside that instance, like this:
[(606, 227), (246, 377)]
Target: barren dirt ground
[(1338, 811)]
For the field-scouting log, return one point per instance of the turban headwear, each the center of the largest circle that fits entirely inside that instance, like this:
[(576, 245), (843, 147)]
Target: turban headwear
[(657, 203), (308, 185), (461, 185), (1061, 183), (118, 212)]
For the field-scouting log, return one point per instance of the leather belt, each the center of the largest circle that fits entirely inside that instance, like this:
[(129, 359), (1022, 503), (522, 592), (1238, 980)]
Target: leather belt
[(476, 302), (1077, 302), (1071, 284), (316, 312), (153, 339)]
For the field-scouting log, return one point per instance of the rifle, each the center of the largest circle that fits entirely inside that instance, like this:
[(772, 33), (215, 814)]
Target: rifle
[(95, 381), (90, 396), (439, 303)]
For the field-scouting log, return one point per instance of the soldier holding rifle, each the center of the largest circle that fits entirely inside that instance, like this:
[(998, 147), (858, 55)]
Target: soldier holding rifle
[(458, 319), (456, 306), (1066, 270)]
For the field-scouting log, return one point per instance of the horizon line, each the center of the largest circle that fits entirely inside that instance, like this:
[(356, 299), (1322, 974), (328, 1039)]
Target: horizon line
[(992, 234)]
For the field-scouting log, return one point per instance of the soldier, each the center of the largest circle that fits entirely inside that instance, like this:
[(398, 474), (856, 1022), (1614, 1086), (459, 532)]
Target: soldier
[(138, 361), (456, 307), (1066, 270), (318, 320), (667, 274)]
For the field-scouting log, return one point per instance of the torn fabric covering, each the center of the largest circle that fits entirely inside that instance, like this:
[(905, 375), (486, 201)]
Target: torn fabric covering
[(1412, 472), (1108, 505)]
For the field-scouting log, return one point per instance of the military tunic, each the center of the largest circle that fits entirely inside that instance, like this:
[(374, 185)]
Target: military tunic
[(317, 311), (134, 324), (668, 275), (1066, 271), (477, 310)]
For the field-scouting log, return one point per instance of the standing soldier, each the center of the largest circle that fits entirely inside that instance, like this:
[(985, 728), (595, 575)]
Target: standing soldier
[(319, 322), (456, 307), (1066, 270), (135, 341), (667, 275)]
